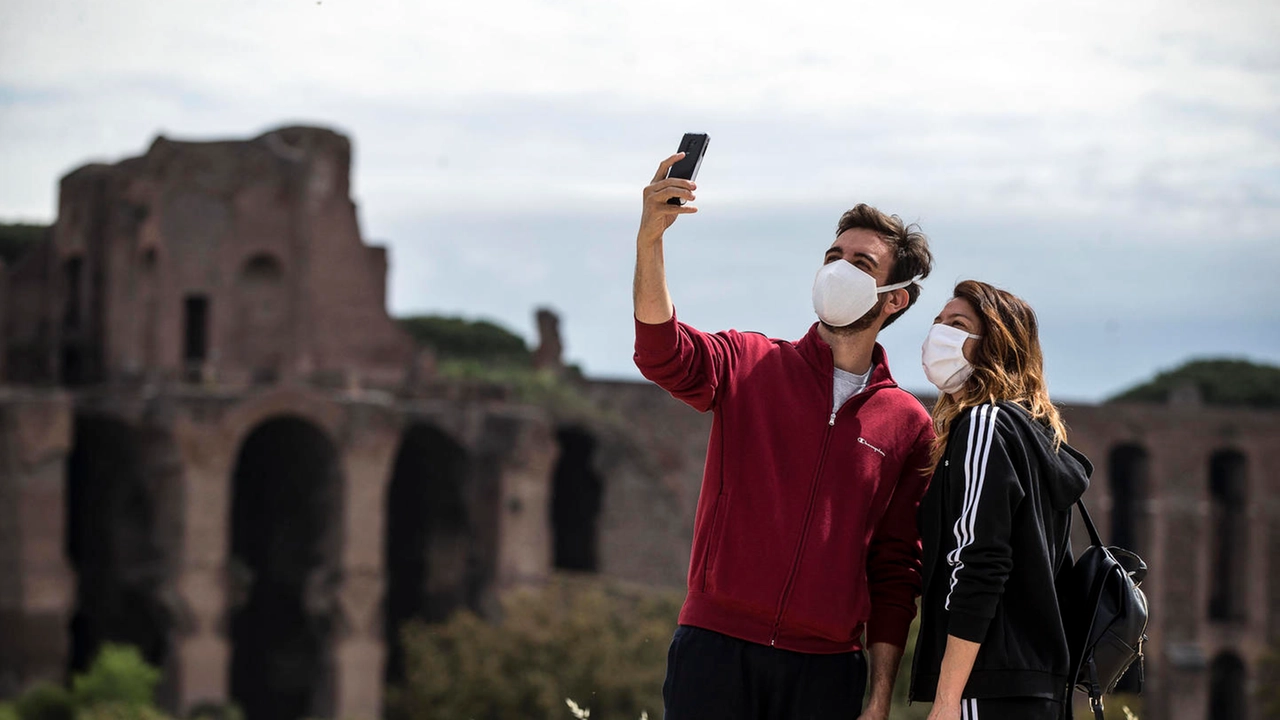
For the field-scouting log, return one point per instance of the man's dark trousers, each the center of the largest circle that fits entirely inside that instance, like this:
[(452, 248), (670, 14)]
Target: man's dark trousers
[(715, 677)]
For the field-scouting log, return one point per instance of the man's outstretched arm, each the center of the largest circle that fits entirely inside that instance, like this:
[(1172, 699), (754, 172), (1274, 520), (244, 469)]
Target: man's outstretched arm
[(649, 292)]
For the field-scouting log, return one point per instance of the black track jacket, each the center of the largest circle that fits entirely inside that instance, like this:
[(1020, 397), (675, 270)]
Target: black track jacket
[(996, 526)]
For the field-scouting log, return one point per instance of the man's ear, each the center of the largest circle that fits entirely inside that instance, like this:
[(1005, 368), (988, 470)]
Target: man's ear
[(898, 300)]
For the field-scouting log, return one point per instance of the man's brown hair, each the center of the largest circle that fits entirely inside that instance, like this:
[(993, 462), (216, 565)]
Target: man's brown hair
[(911, 254)]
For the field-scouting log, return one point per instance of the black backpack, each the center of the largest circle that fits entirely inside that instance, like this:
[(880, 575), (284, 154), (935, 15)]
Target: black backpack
[(1104, 615)]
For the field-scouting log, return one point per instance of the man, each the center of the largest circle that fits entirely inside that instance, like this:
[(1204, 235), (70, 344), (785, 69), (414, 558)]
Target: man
[(805, 533)]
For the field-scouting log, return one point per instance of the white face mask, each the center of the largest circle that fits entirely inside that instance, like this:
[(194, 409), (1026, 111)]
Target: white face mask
[(943, 357), (842, 293)]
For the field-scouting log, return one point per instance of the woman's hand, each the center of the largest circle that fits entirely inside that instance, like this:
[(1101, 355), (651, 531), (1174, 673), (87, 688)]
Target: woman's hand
[(944, 711)]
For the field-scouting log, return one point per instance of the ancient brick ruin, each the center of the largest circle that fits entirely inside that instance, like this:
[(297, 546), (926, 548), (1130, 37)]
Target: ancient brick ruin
[(217, 446)]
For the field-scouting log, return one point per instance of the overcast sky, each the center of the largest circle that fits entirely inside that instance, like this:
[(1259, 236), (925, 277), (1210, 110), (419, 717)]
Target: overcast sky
[(1116, 164)]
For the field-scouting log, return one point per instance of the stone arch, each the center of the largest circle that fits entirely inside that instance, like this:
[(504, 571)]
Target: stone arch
[(262, 316), (285, 537), (1228, 533), (576, 493), (116, 541), (1129, 468), (1227, 695), (304, 404), (431, 569)]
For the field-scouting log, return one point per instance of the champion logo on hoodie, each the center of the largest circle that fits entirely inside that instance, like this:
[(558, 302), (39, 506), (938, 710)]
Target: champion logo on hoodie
[(873, 447)]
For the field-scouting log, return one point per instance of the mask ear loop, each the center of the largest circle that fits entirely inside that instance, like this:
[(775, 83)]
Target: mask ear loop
[(898, 286)]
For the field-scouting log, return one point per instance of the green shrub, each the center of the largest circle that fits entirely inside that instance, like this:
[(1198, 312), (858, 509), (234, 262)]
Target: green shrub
[(901, 710), (9, 711), (215, 711), (1269, 684), (118, 675), (579, 639), (16, 240), (589, 640), (120, 711), (46, 702), (1220, 381), (457, 338)]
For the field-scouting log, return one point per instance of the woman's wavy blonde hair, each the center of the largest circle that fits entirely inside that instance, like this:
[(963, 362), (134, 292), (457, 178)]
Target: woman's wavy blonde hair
[(1007, 364)]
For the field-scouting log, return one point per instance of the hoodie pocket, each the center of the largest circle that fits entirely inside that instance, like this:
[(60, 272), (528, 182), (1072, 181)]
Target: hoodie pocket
[(714, 541)]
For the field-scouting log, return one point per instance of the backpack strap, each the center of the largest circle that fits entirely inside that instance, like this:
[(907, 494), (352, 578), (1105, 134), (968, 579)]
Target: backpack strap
[(1095, 692), (1094, 537)]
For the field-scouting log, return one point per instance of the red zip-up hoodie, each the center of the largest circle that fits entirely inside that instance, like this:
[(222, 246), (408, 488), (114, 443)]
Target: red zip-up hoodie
[(806, 531)]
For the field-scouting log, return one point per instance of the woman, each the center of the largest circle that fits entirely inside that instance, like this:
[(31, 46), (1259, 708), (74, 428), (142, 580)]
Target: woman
[(996, 520)]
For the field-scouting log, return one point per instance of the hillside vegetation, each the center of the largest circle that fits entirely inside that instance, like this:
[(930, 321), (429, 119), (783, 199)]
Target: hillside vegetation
[(1225, 382), (17, 238)]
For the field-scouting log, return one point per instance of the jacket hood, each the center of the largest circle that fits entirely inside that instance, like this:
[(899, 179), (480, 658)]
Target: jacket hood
[(1070, 478), (1066, 470)]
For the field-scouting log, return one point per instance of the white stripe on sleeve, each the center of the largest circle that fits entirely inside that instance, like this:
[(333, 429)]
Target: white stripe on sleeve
[(982, 428)]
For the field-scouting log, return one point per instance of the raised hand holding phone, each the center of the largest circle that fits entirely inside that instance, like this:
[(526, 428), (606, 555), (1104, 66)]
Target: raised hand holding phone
[(672, 186), (664, 200), (694, 147)]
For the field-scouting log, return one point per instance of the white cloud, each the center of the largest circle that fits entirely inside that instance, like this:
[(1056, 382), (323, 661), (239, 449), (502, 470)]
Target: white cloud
[(1007, 56)]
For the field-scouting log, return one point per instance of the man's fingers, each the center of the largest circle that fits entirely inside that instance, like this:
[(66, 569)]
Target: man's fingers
[(666, 165), (667, 183), (666, 192), (665, 207)]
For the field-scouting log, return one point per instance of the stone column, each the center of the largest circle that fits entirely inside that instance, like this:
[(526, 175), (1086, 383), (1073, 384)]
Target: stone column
[(38, 589), (203, 651), (523, 445), (359, 654), (1156, 510), (1184, 599)]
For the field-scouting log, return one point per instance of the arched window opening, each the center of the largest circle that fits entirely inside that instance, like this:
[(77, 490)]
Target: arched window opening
[(1129, 472), (285, 516), (75, 360), (262, 316), (430, 565), (1227, 698), (575, 502), (114, 544), (1229, 535)]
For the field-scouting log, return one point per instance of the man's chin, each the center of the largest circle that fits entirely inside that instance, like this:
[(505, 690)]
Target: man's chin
[(856, 327)]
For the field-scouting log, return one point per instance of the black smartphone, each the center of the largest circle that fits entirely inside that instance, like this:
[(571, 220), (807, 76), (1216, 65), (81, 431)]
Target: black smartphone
[(694, 146)]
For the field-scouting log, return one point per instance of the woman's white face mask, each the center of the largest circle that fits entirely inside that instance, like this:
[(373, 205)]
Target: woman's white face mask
[(943, 357), (842, 293)]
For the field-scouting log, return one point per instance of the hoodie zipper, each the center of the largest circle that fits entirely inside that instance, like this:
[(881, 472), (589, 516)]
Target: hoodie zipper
[(804, 534), (808, 512)]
